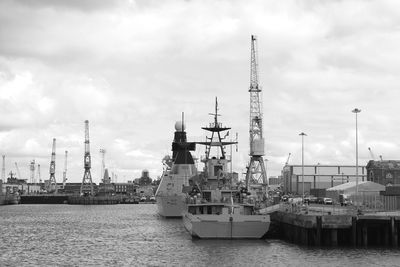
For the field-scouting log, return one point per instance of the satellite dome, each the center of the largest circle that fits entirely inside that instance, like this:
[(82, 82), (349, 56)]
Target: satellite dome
[(179, 126)]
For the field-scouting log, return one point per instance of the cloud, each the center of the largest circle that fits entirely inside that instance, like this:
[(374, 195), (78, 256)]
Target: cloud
[(132, 67)]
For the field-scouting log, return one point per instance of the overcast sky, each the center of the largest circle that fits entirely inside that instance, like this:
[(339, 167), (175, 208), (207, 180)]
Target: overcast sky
[(132, 67)]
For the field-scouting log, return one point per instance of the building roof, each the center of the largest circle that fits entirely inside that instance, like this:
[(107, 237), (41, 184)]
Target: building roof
[(363, 186), (384, 164)]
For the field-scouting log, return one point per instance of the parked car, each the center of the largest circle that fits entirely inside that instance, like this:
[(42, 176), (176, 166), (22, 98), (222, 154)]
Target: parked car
[(320, 200), (328, 201), (313, 199)]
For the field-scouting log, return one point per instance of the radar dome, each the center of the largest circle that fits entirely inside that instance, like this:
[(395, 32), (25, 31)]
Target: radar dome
[(179, 126)]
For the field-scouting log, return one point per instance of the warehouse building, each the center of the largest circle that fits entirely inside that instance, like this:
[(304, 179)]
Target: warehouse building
[(318, 177)]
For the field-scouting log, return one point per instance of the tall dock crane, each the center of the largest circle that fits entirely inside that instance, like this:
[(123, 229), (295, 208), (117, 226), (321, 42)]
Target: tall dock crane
[(52, 181), (256, 172), (87, 184), (65, 169)]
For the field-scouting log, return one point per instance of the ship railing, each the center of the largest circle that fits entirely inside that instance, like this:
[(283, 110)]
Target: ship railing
[(227, 200), (300, 208)]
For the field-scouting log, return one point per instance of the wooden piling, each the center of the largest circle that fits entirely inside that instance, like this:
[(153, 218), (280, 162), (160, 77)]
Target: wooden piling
[(365, 234), (386, 235), (354, 231), (393, 232), (304, 238), (319, 231), (334, 237)]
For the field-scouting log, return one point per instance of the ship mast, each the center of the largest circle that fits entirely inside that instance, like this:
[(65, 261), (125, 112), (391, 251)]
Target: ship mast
[(216, 140)]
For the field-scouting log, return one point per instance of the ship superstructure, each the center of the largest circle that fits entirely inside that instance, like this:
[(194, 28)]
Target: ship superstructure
[(170, 195), (216, 173)]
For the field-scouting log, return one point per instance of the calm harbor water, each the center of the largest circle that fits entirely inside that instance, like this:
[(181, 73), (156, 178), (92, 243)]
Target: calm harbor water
[(134, 235)]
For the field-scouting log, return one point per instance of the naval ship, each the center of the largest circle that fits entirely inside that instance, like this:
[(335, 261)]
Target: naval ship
[(216, 206), (171, 195)]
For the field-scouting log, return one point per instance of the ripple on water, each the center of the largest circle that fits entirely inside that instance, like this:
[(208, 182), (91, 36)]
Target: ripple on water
[(129, 235)]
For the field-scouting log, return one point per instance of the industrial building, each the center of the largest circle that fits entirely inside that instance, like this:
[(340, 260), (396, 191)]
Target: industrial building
[(384, 172), (318, 177)]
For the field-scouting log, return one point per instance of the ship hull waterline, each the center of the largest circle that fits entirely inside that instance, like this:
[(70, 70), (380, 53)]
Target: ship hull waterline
[(171, 206), (226, 226)]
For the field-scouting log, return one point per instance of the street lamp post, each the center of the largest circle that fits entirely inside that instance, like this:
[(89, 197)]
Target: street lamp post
[(356, 111), (318, 180), (302, 162)]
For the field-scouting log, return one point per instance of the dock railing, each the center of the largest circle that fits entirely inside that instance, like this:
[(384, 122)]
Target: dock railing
[(363, 204)]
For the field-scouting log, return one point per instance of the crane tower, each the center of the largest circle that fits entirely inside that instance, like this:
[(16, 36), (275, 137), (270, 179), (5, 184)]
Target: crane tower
[(19, 174), (32, 169), (87, 185), (256, 172), (103, 165), (287, 160), (65, 169), (52, 181), (38, 174)]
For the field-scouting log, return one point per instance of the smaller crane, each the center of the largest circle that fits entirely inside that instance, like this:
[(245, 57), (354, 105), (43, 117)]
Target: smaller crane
[(65, 169), (38, 173), (3, 169), (287, 161), (52, 180), (32, 169), (371, 154), (19, 174), (103, 165)]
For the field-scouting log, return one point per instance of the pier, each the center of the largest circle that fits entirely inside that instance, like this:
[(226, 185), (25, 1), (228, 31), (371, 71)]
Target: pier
[(335, 227)]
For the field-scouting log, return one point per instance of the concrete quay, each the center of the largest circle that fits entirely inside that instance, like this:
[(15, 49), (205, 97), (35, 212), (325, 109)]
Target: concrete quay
[(328, 229), (44, 199)]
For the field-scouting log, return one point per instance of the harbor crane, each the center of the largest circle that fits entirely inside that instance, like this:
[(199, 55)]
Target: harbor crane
[(52, 187), (19, 174), (32, 171), (287, 160), (87, 184), (103, 165), (65, 169), (371, 153), (38, 174), (256, 172)]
